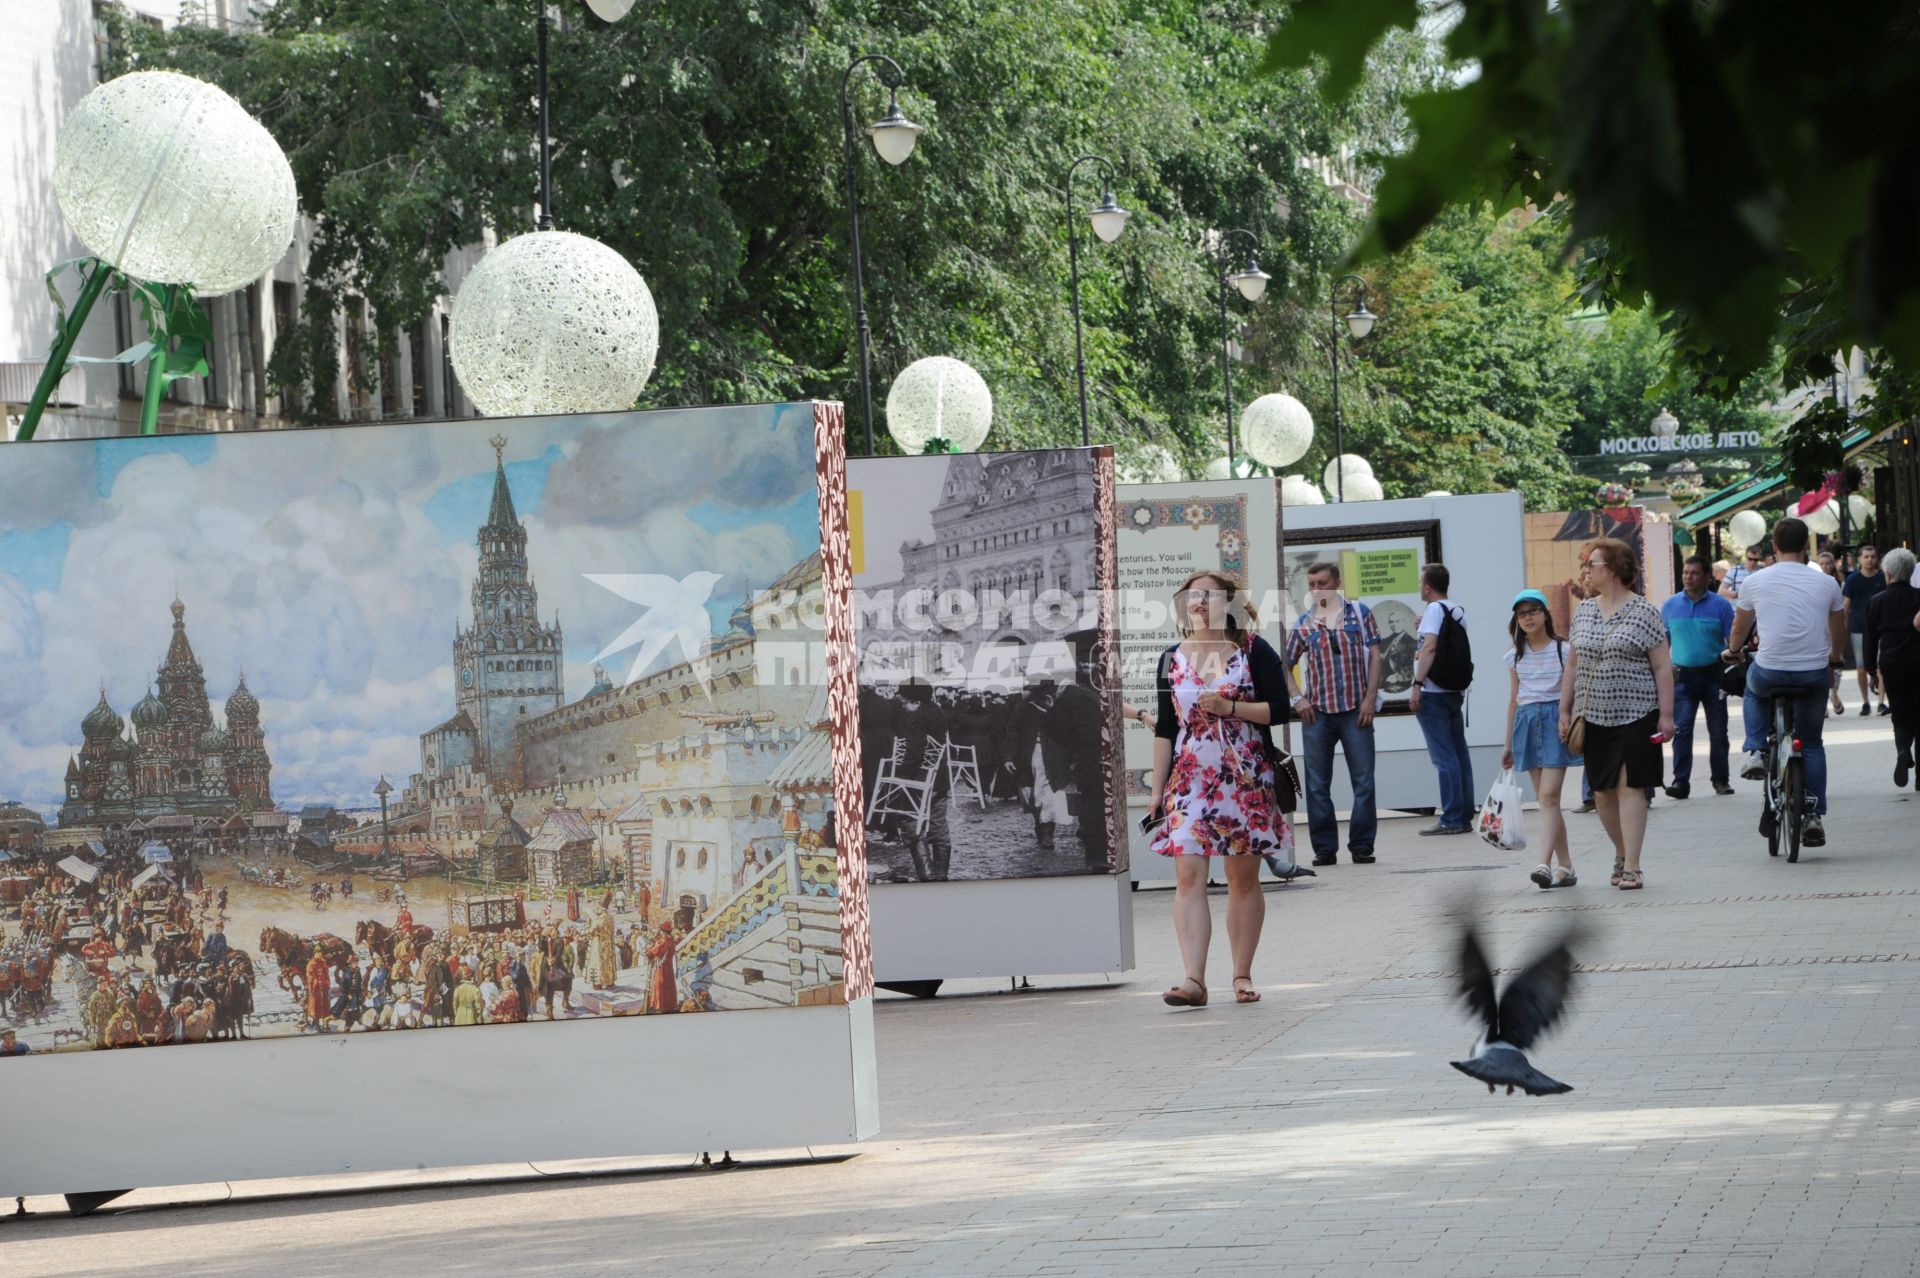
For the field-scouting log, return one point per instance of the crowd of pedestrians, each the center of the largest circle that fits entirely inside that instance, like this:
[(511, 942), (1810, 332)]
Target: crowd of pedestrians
[(1632, 678)]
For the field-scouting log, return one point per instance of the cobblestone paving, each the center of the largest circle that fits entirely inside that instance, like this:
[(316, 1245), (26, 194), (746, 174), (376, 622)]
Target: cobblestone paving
[(1744, 1047)]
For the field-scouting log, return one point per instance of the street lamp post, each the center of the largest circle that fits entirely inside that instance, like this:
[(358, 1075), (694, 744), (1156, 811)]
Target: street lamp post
[(893, 137), (1251, 282), (1359, 322), (1108, 220)]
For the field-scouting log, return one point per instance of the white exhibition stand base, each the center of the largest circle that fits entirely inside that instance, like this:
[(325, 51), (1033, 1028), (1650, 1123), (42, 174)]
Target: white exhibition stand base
[(1002, 927), (83, 1121)]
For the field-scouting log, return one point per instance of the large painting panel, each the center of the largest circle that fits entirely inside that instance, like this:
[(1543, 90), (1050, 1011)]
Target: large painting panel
[(989, 691), (378, 728), (1379, 567)]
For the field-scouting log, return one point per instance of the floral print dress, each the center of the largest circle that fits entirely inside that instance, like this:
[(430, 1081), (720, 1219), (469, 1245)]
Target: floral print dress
[(1219, 797)]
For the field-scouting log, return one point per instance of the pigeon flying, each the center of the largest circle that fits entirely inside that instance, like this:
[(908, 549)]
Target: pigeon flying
[(1533, 1001)]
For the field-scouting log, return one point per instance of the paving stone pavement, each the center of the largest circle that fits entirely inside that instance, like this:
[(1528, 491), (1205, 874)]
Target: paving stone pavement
[(1744, 1045)]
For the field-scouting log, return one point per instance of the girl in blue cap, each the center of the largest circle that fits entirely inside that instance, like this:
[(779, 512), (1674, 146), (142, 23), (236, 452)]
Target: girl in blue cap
[(1536, 662)]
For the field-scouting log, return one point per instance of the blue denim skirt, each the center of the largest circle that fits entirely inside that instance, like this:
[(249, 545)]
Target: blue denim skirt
[(1536, 738)]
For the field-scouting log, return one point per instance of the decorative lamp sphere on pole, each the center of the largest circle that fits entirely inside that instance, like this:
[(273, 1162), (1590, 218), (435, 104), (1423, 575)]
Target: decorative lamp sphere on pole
[(1346, 467), (894, 134), (1277, 430), (1749, 527), (1252, 281), (1108, 218), (1298, 490), (552, 322), (939, 405), (1153, 464), (1438, 492), (1825, 521), (1363, 488), (169, 180), (1860, 509), (1360, 320)]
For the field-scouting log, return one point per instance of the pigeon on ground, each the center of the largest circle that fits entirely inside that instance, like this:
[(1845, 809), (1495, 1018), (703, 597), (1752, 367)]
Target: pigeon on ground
[(1533, 1001)]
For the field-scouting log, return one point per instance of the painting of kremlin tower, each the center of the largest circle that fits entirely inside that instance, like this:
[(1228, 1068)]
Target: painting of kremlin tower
[(528, 719)]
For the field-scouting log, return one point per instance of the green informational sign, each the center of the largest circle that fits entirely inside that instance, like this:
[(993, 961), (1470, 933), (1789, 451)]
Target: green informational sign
[(1382, 572)]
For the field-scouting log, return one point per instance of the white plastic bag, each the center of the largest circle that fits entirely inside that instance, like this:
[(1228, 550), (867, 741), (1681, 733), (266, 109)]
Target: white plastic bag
[(1502, 822)]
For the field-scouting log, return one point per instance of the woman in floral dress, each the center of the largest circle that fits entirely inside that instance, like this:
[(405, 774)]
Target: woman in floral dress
[(1221, 688)]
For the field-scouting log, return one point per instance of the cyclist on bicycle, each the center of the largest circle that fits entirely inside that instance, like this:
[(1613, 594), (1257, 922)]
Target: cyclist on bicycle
[(1803, 633)]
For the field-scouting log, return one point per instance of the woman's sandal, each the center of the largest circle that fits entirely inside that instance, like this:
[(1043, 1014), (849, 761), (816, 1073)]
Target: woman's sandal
[(1631, 881), (1249, 994), (1542, 875), (1563, 876), (1619, 868), (1178, 996)]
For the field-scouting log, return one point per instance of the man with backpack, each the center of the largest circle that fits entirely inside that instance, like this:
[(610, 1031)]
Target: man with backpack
[(1442, 673)]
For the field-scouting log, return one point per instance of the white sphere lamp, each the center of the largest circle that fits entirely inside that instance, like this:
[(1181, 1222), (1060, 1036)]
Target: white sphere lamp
[(1749, 527), (939, 398), (1277, 430), (1347, 465), (1438, 492), (1364, 488), (1859, 509), (1151, 465), (169, 180), (1218, 468), (1298, 490), (553, 322), (1825, 521)]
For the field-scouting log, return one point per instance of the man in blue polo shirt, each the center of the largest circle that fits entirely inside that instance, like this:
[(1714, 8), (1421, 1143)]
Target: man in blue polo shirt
[(1698, 623)]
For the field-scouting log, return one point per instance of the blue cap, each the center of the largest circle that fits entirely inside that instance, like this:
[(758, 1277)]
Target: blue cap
[(1531, 596)]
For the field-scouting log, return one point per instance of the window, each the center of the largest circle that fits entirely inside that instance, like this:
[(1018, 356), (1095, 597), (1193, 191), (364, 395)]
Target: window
[(449, 391), (701, 862), (390, 381), (680, 858), (417, 354)]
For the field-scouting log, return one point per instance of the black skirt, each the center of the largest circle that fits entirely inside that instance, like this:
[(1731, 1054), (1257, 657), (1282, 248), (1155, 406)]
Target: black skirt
[(1629, 746)]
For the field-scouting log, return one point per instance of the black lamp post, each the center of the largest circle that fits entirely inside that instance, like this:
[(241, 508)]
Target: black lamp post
[(1359, 322), (1251, 282), (893, 137), (1108, 220)]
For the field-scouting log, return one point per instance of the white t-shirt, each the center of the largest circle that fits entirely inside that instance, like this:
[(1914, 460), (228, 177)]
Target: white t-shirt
[(1539, 670), (1430, 625), (1791, 603)]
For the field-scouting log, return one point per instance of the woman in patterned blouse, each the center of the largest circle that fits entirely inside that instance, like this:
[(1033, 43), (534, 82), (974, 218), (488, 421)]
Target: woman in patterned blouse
[(1619, 677)]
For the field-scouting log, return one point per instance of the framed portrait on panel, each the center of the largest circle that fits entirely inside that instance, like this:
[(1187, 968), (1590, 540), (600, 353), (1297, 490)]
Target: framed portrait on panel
[(1380, 567)]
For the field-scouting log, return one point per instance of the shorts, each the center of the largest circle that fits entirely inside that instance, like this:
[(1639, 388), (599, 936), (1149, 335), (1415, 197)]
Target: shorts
[(1628, 748), (1536, 738)]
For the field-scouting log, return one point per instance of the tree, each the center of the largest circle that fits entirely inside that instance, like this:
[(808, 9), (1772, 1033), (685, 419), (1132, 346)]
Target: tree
[(1626, 376), (1467, 381), (1748, 170), (703, 142)]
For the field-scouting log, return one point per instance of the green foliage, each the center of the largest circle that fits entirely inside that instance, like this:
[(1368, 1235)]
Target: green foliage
[(1748, 169), (1467, 381), (703, 141), (1626, 378)]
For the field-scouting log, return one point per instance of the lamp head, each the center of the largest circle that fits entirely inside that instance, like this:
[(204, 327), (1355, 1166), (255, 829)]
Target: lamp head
[(1251, 282), (1360, 323), (1108, 219), (894, 134)]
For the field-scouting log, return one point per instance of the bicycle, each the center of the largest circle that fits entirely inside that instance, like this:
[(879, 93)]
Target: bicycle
[(1784, 785)]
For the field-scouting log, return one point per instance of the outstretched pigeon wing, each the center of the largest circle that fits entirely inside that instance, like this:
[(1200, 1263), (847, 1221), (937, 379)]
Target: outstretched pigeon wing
[(1476, 982), (1534, 1000)]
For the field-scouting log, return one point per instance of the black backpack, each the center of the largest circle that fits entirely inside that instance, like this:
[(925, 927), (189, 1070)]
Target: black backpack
[(1452, 666)]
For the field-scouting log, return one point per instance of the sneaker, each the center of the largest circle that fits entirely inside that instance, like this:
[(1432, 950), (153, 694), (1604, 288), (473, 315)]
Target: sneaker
[(1866, 708), (1680, 791), (1901, 767), (1814, 833), (1586, 805), (1883, 709), (1755, 768), (1722, 788)]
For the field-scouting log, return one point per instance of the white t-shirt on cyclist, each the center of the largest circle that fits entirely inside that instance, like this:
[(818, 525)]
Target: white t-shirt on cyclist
[(1791, 603)]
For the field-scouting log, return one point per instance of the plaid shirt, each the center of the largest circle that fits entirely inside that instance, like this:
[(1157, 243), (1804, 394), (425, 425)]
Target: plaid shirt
[(1334, 676)]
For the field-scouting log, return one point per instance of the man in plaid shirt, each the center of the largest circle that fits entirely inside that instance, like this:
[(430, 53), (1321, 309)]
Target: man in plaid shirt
[(1334, 646)]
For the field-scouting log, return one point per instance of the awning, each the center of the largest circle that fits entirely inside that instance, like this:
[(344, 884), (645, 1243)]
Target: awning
[(80, 869), (1753, 490), (145, 876), (155, 853), (98, 848)]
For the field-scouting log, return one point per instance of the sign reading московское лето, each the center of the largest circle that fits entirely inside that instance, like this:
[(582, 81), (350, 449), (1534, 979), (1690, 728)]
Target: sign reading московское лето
[(1725, 441)]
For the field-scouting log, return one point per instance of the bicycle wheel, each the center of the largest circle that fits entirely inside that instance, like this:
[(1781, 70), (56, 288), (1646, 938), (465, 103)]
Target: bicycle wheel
[(1770, 818), (1796, 805)]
